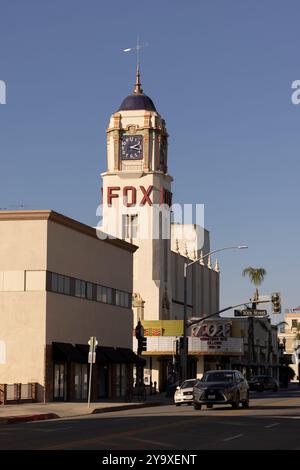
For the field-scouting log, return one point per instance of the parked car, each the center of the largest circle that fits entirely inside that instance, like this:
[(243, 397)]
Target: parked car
[(259, 383), (184, 393), (222, 387)]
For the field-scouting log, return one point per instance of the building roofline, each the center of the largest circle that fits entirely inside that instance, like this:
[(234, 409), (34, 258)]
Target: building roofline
[(67, 222)]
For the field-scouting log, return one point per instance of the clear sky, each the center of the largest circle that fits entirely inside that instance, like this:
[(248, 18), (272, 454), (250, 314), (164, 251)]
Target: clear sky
[(220, 73)]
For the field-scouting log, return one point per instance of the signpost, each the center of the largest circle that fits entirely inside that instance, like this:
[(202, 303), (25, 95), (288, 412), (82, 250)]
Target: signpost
[(92, 342)]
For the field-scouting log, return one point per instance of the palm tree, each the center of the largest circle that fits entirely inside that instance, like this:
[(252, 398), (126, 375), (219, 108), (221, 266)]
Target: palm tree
[(256, 276)]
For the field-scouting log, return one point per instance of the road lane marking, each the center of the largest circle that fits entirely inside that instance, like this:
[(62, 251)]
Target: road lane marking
[(232, 437), (114, 435), (53, 429), (156, 443), (272, 425)]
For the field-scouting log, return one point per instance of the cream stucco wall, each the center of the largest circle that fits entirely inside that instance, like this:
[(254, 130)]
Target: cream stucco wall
[(23, 244), (23, 332), (203, 288), (73, 320), (76, 254), (32, 243)]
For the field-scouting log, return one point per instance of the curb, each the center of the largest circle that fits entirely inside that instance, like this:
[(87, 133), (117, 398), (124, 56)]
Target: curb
[(27, 418), (110, 409), (46, 416)]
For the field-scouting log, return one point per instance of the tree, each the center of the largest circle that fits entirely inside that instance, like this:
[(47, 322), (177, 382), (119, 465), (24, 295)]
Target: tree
[(256, 276)]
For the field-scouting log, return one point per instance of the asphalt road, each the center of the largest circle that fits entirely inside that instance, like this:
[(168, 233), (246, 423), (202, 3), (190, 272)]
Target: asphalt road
[(272, 422)]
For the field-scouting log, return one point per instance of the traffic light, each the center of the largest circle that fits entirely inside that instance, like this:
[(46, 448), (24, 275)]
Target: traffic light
[(139, 330), (276, 302), (180, 345), (142, 345)]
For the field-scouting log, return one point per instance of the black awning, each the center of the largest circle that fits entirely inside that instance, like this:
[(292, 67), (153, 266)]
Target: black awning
[(66, 352), (113, 355), (130, 356)]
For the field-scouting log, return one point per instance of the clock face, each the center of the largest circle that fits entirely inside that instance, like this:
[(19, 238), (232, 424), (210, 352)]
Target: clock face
[(132, 147)]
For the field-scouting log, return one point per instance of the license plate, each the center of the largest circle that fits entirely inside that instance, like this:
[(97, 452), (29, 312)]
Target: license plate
[(211, 397)]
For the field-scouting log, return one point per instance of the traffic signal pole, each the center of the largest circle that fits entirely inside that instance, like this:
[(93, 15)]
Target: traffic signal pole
[(185, 343)]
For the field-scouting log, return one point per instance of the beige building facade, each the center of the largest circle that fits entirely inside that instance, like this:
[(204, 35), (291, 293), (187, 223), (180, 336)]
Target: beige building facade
[(60, 285), (289, 337)]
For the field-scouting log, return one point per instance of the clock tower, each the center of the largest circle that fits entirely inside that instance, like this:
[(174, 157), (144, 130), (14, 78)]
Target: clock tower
[(137, 198)]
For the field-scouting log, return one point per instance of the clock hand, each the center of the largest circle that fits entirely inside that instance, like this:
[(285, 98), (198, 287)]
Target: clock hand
[(135, 146)]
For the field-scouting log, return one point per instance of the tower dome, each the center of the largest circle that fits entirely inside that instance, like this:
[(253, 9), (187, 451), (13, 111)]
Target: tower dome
[(137, 100)]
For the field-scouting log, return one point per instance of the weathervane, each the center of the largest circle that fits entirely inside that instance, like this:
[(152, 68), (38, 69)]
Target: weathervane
[(137, 88), (137, 48)]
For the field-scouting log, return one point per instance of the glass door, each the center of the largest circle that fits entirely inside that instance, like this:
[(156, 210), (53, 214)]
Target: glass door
[(60, 382), (81, 381)]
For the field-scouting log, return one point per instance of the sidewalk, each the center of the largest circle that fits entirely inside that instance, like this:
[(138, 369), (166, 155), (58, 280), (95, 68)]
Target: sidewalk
[(12, 414)]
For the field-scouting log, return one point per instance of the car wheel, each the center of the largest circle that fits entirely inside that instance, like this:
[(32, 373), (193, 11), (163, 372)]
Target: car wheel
[(197, 407), (236, 403), (245, 404), (261, 388), (275, 389), (177, 404), (189, 404), (209, 406)]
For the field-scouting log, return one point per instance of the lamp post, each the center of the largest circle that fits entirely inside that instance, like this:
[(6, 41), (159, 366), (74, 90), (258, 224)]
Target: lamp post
[(187, 265)]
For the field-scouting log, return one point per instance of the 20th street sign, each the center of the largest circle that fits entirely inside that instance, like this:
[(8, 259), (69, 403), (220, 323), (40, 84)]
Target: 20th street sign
[(250, 313)]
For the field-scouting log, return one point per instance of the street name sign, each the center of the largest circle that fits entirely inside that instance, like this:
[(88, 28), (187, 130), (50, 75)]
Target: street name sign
[(250, 313)]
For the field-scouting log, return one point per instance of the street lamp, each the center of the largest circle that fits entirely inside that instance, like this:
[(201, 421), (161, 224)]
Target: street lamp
[(186, 265)]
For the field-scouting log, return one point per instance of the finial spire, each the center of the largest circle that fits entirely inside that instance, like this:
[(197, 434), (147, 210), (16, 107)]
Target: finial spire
[(138, 87), (209, 262), (217, 267)]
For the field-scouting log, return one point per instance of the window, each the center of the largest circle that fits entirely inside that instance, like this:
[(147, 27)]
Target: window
[(89, 291), (104, 294), (122, 299), (294, 323), (54, 282), (80, 288), (60, 284), (130, 226)]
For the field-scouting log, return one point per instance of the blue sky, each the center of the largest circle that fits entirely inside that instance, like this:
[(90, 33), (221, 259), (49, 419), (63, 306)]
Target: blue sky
[(219, 72)]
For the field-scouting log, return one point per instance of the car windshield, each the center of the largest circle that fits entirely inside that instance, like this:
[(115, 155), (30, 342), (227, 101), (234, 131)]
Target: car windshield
[(188, 384), (257, 377), (218, 377)]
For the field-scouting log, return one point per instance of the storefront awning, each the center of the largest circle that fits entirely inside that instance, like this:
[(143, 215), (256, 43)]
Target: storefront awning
[(131, 357), (114, 356), (67, 352)]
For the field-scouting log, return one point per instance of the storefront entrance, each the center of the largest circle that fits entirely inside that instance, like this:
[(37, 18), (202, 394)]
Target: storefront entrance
[(81, 381), (103, 374), (60, 382)]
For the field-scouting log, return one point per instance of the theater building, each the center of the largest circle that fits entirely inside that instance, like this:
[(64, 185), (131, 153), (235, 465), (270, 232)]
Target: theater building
[(59, 285), (137, 207)]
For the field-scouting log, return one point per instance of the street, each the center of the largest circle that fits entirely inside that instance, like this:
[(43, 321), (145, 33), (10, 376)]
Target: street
[(272, 422)]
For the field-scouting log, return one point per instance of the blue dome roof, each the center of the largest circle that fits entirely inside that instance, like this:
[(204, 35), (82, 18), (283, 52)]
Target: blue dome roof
[(137, 101)]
